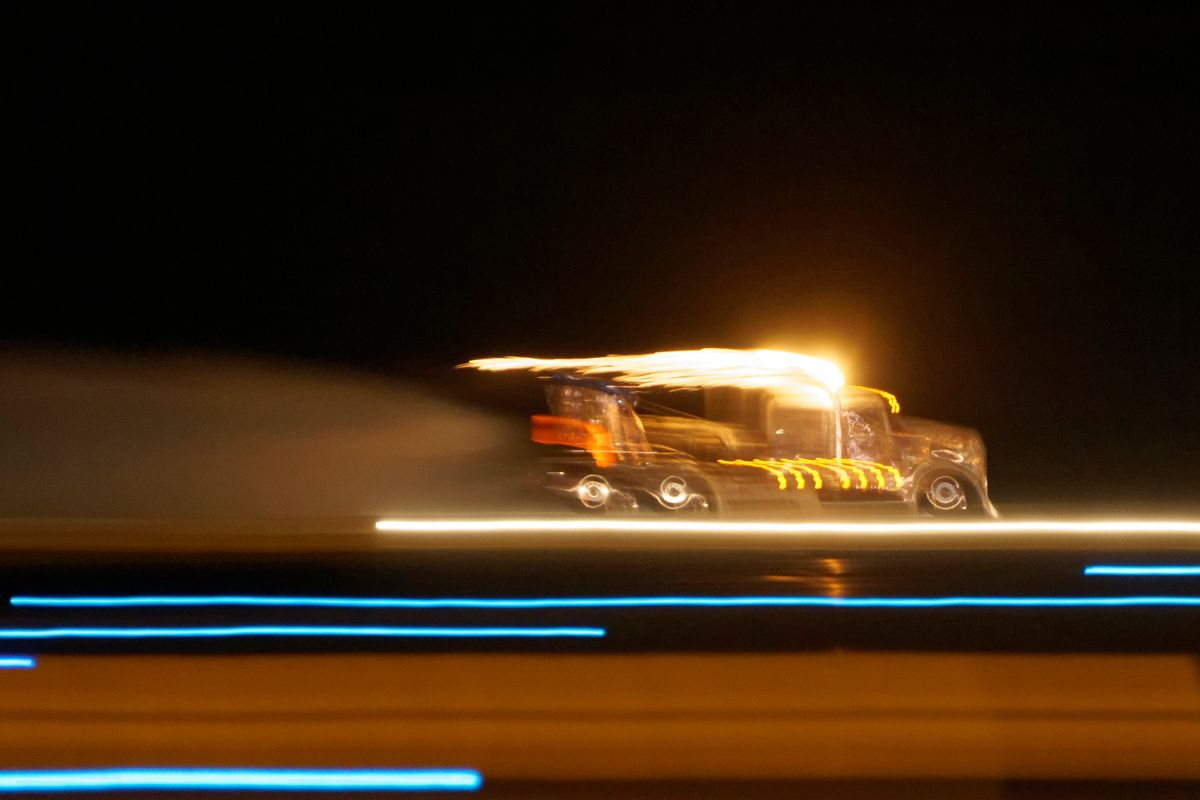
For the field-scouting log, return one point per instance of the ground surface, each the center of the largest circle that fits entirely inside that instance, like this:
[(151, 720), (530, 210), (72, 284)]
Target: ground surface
[(995, 700)]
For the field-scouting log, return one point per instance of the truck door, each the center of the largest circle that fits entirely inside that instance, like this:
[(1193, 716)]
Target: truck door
[(799, 426)]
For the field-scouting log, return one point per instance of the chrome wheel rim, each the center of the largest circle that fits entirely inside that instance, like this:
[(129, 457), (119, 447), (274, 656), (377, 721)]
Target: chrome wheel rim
[(593, 491), (674, 492), (945, 493)]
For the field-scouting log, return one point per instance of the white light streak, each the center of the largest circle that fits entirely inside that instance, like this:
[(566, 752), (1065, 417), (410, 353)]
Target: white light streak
[(687, 369), (928, 528)]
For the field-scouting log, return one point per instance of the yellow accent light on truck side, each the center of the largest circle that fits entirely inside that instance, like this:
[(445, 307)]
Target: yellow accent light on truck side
[(844, 464), (841, 467), (895, 473), (779, 474), (793, 466), (892, 401)]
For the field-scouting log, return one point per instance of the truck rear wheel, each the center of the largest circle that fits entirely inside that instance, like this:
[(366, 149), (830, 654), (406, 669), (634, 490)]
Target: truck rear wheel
[(595, 495)]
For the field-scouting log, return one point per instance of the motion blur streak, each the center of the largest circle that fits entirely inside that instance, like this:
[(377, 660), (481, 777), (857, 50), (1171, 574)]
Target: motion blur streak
[(256, 438), (601, 602), (673, 526), (16, 662), (686, 369), (390, 780), (287, 630), (1131, 570)]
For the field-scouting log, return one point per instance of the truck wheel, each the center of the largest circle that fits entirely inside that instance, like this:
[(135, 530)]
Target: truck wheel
[(944, 493), (593, 492), (596, 495), (676, 494)]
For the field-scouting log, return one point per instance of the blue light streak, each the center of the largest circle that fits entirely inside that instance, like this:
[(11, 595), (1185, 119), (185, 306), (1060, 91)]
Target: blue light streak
[(292, 630), (1142, 570), (17, 662), (600, 602), (187, 779)]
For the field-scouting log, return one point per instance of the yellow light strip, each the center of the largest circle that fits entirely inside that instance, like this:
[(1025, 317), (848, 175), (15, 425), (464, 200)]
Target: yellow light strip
[(843, 475), (892, 401), (570, 526), (779, 474), (816, 476), (794, 472), (895, 473), (841, 462), (841, 467), (880, 483)]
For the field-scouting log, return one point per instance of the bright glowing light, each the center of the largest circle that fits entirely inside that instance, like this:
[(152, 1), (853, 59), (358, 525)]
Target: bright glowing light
[(602, 602), (291, 630), (1135, 570), (190, 779), (686, 369), (928, 528), (17, 662)]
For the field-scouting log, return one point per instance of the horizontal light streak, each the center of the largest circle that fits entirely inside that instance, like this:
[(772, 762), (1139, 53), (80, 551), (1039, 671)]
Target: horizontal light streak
[(190, 779), (1164, 570), (501, 603), (293, 630), (725, 527), (686, 369), (17, 662)]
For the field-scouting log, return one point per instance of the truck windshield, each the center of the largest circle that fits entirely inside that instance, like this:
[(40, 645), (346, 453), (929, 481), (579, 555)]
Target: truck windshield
[(865, 428)]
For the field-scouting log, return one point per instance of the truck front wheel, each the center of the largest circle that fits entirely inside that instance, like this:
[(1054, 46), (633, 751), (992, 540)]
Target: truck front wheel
[(943, 493)]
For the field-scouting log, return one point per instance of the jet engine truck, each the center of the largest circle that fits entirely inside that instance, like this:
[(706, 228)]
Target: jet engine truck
[(777, 430)]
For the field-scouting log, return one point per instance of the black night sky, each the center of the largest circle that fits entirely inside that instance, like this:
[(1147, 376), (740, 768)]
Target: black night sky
[(990, 211)]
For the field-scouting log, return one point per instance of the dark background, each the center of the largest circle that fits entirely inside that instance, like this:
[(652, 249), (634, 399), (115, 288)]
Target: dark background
[(990, 212)]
